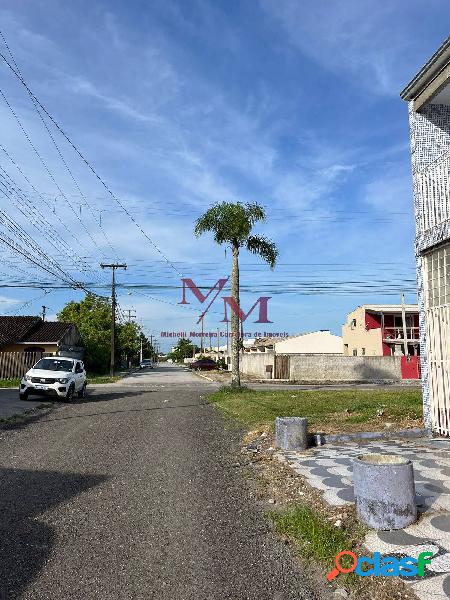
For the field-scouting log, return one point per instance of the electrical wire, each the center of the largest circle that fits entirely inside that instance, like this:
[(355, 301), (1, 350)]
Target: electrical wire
[(89, 165)]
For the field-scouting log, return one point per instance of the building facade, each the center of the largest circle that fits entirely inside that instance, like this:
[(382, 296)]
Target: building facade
[(428, 97), (378, 330)]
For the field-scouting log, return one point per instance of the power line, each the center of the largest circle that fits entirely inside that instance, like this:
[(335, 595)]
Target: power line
[(49, 173), (89, 165), (18, 309), (56, 145)]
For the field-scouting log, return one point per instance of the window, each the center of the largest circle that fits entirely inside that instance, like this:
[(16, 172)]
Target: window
[(54, 364), (355, 352), (353, 323), (363, 351), (438, 277)]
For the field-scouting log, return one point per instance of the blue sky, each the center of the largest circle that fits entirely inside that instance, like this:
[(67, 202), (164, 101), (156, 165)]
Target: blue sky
[(179, 104)]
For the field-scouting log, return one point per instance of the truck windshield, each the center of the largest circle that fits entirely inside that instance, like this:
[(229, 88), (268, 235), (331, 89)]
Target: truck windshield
[(52, 364)]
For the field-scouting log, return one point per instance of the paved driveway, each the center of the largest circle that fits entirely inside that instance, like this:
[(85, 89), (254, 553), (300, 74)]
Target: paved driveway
[(136, 493)]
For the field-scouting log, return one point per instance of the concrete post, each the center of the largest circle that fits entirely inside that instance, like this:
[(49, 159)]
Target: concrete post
[(290, 433), (384, 491)]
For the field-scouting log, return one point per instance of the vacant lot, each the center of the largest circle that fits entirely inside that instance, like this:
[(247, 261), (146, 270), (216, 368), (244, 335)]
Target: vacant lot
[(328, 411)]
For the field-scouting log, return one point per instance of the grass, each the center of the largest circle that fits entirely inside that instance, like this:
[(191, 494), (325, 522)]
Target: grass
[(313, 535), (328, 411), (9, 383), (91, 378)]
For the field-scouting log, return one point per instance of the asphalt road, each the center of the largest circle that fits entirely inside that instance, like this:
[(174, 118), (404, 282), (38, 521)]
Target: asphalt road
[(135, 493), (11, 405)]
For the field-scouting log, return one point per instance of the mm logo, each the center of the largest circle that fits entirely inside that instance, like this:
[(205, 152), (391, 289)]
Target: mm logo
[(261, 302)]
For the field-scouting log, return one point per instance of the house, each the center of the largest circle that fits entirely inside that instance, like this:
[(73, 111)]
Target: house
[(32, 334), (377, 330), (428, 97), (314, 342)]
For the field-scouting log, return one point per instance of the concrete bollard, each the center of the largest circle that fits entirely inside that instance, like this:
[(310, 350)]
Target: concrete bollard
[(384, 491), (290, 433)]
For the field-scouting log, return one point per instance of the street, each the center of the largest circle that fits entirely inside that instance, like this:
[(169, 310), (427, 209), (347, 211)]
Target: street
[(135, 492)]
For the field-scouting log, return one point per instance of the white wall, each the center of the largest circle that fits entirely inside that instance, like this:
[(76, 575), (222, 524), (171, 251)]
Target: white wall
[(316, 342), (255, 364)]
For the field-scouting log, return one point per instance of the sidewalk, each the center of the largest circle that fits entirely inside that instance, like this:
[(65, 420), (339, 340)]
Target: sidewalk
[(329, 469)]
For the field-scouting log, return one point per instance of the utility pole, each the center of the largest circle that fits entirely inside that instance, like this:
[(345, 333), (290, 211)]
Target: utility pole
[(228, 346), (113, 267), (405, 339), (218, 342), (141, 351), (151, 346), (44, 309), (201, 339), (130, 316)]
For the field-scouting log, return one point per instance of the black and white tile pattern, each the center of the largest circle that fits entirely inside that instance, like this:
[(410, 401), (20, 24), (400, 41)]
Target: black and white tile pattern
[(329, 469)]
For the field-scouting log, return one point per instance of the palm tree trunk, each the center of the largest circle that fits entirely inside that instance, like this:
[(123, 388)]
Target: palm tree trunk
[(235, 337)]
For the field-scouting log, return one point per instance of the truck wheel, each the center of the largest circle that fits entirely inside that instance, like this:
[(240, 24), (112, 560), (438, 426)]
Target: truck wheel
[(23, 395), (82, 392), (69, 395)]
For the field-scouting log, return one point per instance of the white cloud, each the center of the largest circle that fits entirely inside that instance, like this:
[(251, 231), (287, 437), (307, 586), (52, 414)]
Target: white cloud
[(365, 40)]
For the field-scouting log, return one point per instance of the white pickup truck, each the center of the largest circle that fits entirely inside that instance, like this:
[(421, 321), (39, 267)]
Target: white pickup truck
[(55, 376)]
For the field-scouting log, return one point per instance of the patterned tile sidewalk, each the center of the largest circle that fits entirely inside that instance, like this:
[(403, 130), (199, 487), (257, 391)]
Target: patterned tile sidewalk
[(329, 468)]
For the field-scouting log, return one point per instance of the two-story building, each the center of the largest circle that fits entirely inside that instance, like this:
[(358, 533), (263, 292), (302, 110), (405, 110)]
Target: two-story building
[(382, 330), (428, 97)]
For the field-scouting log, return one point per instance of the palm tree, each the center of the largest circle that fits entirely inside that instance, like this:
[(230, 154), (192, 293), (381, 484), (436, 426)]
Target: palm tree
[(232, 223)]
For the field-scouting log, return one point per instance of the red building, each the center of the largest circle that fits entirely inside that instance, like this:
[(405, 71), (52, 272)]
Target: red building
[(379, 330)]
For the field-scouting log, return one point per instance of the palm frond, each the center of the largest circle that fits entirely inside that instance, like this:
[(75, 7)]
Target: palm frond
[(254, 212), (263, 247)]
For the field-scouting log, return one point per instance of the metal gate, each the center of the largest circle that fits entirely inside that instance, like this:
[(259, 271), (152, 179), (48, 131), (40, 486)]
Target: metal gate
[(282, 366), (437, 303)]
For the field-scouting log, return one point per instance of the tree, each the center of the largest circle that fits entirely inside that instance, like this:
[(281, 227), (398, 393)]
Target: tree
[(148, 350), (92, 316), (184, 349), (232, 223), (128, 340)]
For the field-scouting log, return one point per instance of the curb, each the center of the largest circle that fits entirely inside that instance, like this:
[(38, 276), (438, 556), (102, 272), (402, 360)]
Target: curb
[(320, 439), (331, 383), (205, 377)]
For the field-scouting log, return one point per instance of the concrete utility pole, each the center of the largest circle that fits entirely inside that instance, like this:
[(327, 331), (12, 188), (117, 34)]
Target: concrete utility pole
[(405, 339), (130, 316), (113, 266), (201, 339), (44, 309)]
